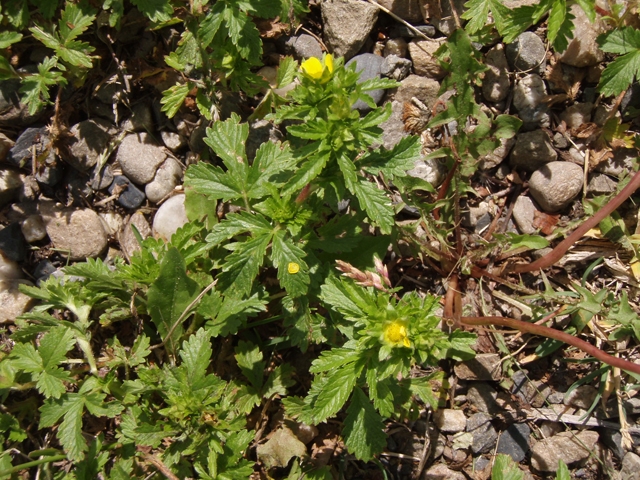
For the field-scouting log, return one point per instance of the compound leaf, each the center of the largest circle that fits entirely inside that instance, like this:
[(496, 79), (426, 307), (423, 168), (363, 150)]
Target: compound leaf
[(363, 428)]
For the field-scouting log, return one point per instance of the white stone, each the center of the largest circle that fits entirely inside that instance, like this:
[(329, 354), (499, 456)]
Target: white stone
[(170, 217), (112, 222), (9, 270), (449, 420), (33, 229), (13, 301), (166, 179)]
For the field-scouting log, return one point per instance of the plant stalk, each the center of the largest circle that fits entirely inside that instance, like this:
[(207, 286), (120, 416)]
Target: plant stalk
[(548, 332), (35, 463), (556, 254)]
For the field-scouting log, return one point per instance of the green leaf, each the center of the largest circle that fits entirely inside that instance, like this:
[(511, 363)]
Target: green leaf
[(377, 205), (35, 88), (196, 355), (563, 471), (69, 432), (504, 468), (170, 295), (8, 38), (363, 428), (228, 139), (333, 359), (286, 254), (157, 11), (395, 162), (249, 358), (477, 12), (242, 266), (310, 169), (208, 27), (334, 392), (237, 223), (380, 393), (534, 242), (620, 73), (271, 159), (213, 182), (54, 346), (73, 22), (173, 98)]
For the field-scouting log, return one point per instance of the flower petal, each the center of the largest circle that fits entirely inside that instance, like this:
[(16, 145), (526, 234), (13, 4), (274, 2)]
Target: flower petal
[(312, 67)]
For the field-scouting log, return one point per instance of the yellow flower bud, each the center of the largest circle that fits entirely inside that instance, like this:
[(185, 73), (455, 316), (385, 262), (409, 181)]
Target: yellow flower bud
[(395, 333), (312, 67), (293, 268), (317, 70)]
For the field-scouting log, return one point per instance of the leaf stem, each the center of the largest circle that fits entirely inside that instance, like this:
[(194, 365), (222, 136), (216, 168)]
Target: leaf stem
[(35, 463), (548, 332), (556, 254)]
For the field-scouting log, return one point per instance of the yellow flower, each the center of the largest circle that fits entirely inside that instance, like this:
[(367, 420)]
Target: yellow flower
[(318, 70), (293, 268), (396, 334)]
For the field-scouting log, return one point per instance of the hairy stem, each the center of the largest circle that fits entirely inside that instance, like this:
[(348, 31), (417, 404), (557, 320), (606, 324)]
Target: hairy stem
[(547, 332), (556, 254)]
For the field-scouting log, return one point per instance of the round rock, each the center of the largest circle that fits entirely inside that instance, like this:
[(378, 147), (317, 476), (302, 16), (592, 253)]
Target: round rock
[(129, 196), (424, 62), (128, 241), (304, 46), (90, 139), (496, 84), (166, 179), (170, 217), (555, 185), (527, 53), (529, 97), (14, 302), (140, 156), (76, 233), (532, 150), (33, 229), (570, 447)]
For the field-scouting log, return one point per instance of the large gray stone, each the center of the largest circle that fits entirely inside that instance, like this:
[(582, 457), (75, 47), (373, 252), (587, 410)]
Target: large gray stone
[(529, 97), (532, 150), (555, 185), (90, 139), (527, 53), (347, 25), (77, 234), (583, 50), (570, 447), (140, 156), (496, 83), (422, 55)]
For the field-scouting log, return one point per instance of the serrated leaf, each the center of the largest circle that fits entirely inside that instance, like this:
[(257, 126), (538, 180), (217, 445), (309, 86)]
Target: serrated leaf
[(363, 428), (242, 266), (293, 271), (208, 27), (237, 223), (73, 22), (395, 162), (169, 296), (287, 71), (227, 139), (155, 10), (620, 74), (196, 354), (504, 468), (249, 358), (380, 393), (25, 357), (8, 38), (271, 159), (310, 169), (54, 346), (278, 381), (377, 205), (213, 182), (70, 430), (477, 12), (332, 359), (173, 98), (335, 392)]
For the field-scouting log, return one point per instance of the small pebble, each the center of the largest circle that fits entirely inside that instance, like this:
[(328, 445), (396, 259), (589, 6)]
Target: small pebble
[(555, 185), (33, 229), (130, 195)]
